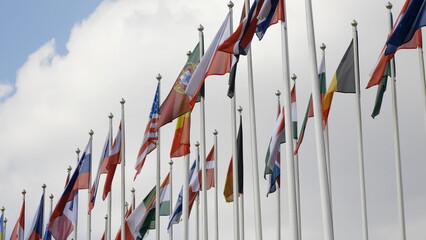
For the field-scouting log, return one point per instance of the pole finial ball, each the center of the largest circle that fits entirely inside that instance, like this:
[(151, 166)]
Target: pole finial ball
[(77, 150), (239, 109), (188, 53), (215, 132), (43, 186), (91, 132), (51, 196), (122, 101), (354, 23), (230, 4), (110, 116), (200, 28), (197, 144), (2, 209), (158, 77), (294, 77), (171, 162), (278, 93), (132, 190), (24, 192), (323, 46), (389, 5)]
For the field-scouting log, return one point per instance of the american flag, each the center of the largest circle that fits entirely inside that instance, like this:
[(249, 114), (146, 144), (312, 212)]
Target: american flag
[(150, 137)]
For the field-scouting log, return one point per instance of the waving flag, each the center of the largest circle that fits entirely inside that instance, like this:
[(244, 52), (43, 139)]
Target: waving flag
[(213, 62), (270, 13), (37, 226), (113, 159), (18, 230), (150, 138), (181, 139), (83, 178), (101, 170), (210, 162)]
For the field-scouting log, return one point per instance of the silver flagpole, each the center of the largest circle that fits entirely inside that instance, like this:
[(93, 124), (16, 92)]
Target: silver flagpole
[(296, 176), (171, 197), (360, 139), (240, 197), (203, 148), (197, 198), (89, 215), (322, 165), (106, 226), (133, 198), (2, 213), (400, 196), (234, 147), (77, 151), (278, 191), (157, 182), (422, 79), (42, 220), (51, 205), (292, 200), (185, 207), (4, 228), (327, 149), (216, 218), (109, 197), (123, 172), (23, 199), (255, 168)]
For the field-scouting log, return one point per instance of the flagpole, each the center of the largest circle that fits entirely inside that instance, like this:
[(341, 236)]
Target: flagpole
[(89, 215), (216, 218), (133, 198), (185, 207), (197, 198), (203, 147), (23, 199), (240, 197), (109, 198), (4, 229), (51, 206), (171, 197), (77, 151), (278, 237), (2, 213), (234, 147), (42, 219), (255, 168), (360, 139), (322, 166), (401, 212), (296, 176), (123, 172), (157, 185), (422, 79), (327, 150), (126, 206), (292, 199)]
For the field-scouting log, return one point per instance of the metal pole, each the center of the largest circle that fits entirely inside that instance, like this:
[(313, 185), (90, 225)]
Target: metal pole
[(197, 198), (109, 197), (89, 215), (422, 79), (278, 191), (240, 197), (4, 229), (322, 166), (133, 198), (400, 196), (360, 139), (255, 168), (171, 199), (2, 213), (106, 226), (157, 185), (292, 200), (42, 219), (216, 217), (23, 199), (185, 207), (77, 151), (234, 147), (123, 172)]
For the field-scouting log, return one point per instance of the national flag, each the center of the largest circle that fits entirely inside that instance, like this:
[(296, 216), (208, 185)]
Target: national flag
[(273, 158), (64, 215), (228, 190), (379, 69), (129, 211), (37, 226), (1, 225), (232, 76), (102, 168), (213, 62), (270, 13), (414, 18), (381, 91), (113, 159), (181, 139), (140, 220), (150, 138), (18, 230), (343, 81), (239, 41), (310, 109), (83, 178), (210, 163), (177, 102)]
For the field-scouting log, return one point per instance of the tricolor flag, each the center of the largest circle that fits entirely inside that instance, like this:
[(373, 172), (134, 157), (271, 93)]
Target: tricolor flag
[(150, 138), (129, 211), (379, 70), (343, 81), (181, 139), (113, 159), (381, 89), (65, 213), (228, 190), (213, 62), (83, 178), (102, 168), (18, 230), (210, 162), (310, 109), (37, 226), (414, 18), (271, 12)]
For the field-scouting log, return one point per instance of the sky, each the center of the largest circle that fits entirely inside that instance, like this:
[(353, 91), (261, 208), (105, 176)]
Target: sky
[(66, 65)]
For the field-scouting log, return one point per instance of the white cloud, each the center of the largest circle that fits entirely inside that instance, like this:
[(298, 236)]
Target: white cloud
[(5, 89), (117, 52)]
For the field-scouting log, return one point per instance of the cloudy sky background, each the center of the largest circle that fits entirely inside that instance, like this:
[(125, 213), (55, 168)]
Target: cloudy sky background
[(64, 69)]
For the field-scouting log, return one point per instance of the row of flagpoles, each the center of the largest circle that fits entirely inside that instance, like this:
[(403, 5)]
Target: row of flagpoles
[(221, 57)]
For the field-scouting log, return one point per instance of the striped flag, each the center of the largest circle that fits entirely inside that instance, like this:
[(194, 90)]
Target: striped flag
[(83, 177), (210, 162), (113, 159), (101, 170), (150, 138), (37, 226), (270, 13), (18, 230), (181, 139)]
